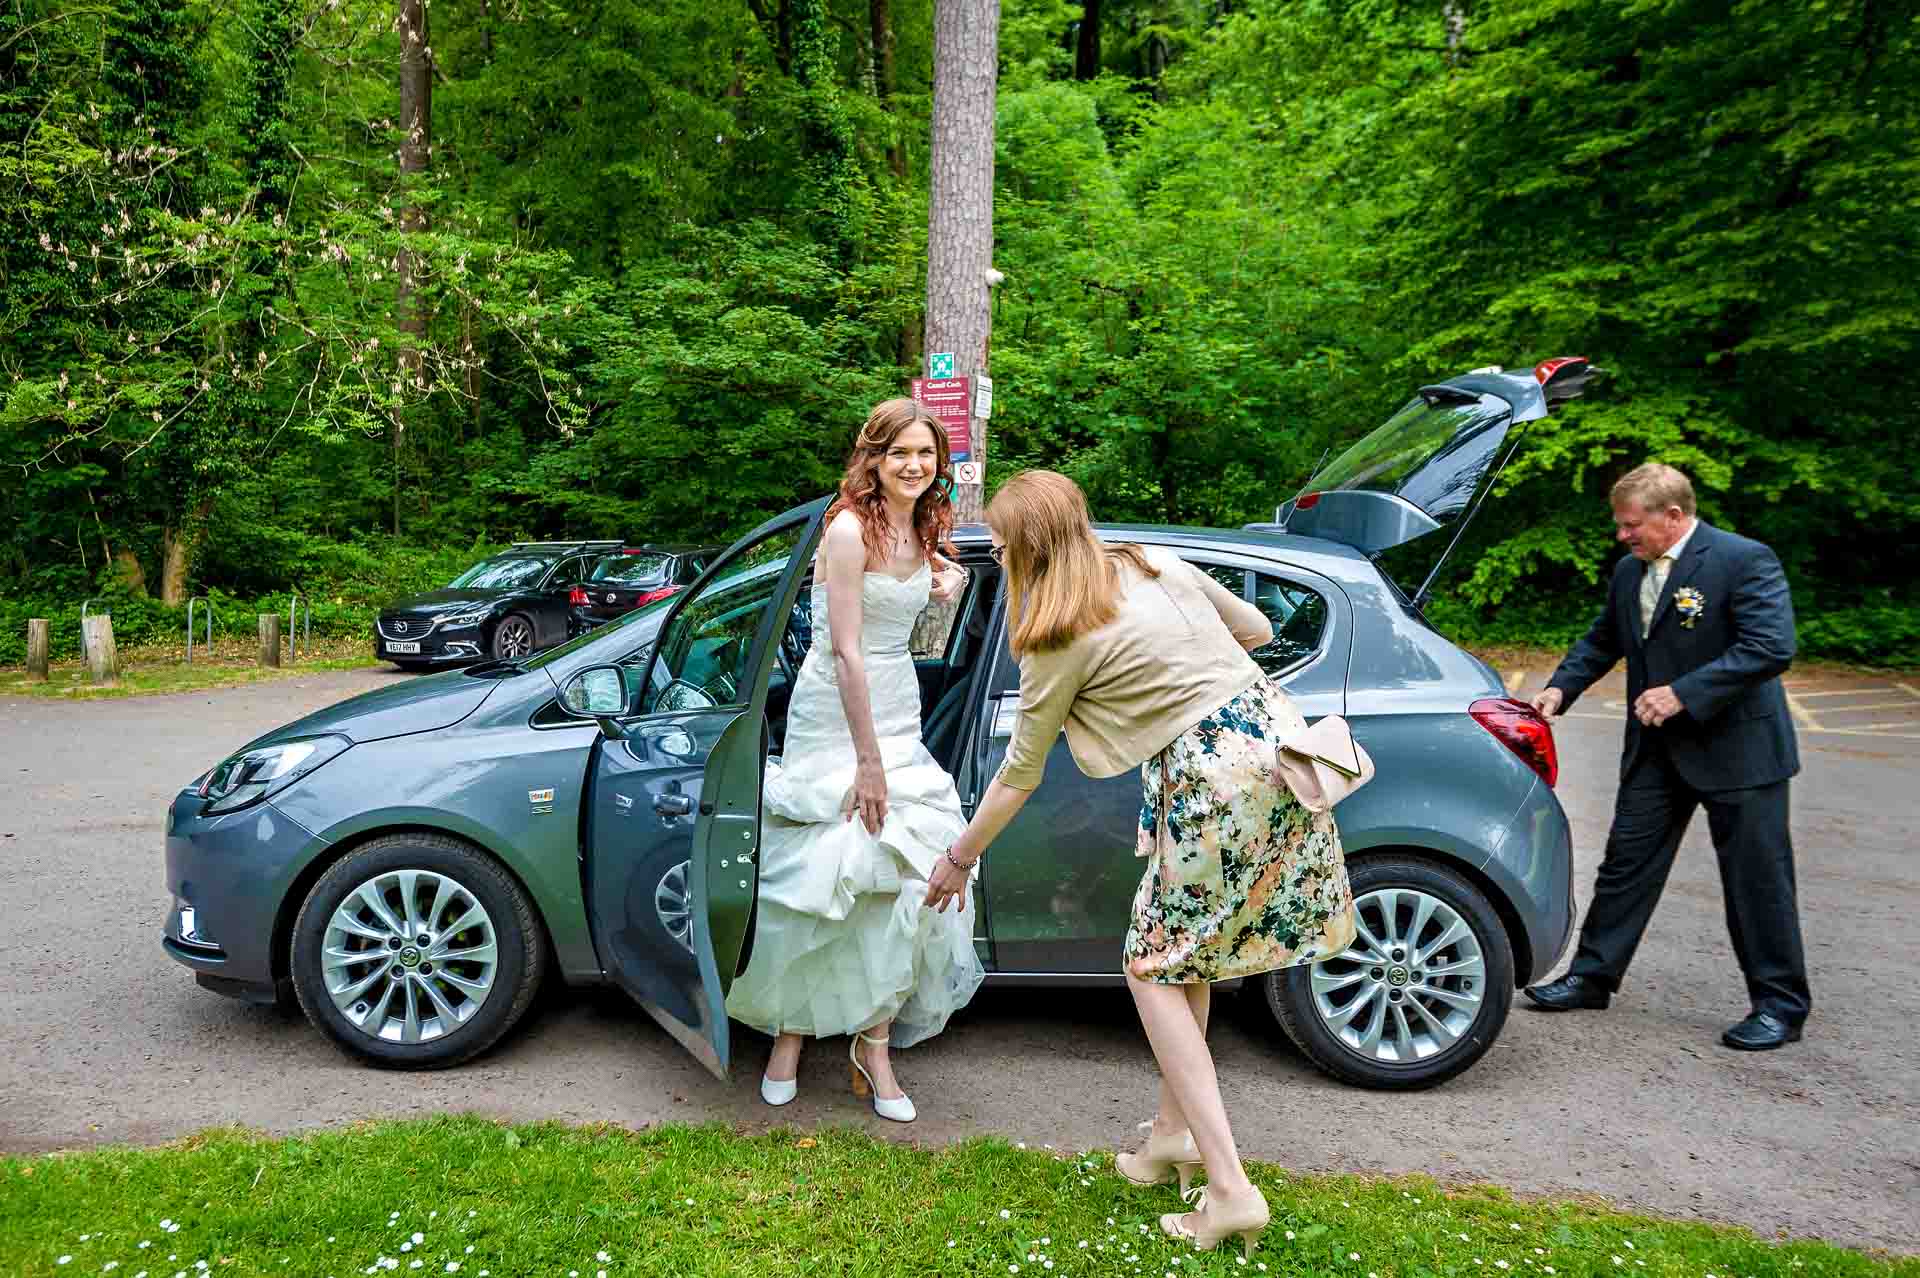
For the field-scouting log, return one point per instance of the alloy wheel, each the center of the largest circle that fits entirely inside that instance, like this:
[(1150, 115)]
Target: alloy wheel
[(673, 902), (1412, 983), (409, 956), (514, 638)]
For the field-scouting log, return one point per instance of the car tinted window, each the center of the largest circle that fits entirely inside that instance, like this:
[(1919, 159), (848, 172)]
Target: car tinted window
[(507, 573), (1234, 579), (631, 570), (705, 654), (1299, 616)]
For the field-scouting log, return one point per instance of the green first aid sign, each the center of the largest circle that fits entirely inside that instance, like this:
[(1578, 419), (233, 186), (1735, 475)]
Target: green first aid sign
[(940, 364)]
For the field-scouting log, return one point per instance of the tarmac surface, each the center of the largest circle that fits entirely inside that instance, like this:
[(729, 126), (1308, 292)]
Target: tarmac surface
[(104, 1039)]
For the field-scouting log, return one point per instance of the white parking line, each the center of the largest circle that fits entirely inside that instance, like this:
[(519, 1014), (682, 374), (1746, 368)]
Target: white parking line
[(1874, 705), (1908, 688), (1514, 679), (1842, 692), (1878, 730), (1801, 715)]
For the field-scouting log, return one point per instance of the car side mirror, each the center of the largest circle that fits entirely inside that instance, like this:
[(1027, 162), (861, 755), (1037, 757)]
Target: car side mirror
[(598, 692)]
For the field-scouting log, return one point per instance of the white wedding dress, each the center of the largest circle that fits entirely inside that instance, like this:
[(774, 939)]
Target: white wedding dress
[(843, 940)]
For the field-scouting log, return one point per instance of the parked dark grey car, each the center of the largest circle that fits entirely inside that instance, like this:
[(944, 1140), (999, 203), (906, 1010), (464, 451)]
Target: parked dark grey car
[(411, 863)]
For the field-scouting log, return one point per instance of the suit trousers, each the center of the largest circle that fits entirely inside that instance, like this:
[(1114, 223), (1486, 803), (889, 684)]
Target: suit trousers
[(1755, 851)]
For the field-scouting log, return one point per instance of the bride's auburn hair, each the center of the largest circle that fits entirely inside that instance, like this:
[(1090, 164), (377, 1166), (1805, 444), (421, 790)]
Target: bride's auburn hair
[(860, 490), (1062, 581)]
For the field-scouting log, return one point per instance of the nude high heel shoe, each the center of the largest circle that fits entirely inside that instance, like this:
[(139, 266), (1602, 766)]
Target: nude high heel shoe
[(900, 1108), (1208, 1223), (1162, 1159)]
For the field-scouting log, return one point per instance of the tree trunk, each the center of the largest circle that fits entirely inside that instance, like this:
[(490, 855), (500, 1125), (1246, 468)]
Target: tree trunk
[(178, 543), (880, 19), (1086, 53), (416, 153), (966, 40), (270, 639), (126, 566), (1453, 16), (176, 560), (38, 643), (96, 639)]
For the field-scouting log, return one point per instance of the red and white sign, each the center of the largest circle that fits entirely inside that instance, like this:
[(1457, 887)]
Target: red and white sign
[(950, 399), (971, 472)]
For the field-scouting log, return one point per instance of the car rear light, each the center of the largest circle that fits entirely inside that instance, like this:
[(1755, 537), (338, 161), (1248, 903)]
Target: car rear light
[(1307, 501), (649, 596), (1521, 729), (577, 597)]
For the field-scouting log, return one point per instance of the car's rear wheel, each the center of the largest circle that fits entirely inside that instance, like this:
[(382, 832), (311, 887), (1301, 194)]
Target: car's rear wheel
[(1419, 996), (416, 951), (513, 637)]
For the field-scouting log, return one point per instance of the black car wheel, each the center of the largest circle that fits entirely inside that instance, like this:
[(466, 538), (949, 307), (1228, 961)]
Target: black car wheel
[(416, 951), (1419, 996), (513, 637)]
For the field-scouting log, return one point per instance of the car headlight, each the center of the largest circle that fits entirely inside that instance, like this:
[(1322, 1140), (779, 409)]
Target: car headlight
[(452, 620), (252, 775)]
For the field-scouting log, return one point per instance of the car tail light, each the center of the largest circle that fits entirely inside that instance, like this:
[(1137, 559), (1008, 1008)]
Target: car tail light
[(648, 596), (1521, 729), (1307, 501), (577, 596)]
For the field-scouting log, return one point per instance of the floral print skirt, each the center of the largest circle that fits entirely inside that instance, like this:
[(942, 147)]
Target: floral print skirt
[(1240, 878)]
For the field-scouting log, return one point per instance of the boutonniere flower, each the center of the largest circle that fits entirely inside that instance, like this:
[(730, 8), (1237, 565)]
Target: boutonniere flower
[(1689, 603)]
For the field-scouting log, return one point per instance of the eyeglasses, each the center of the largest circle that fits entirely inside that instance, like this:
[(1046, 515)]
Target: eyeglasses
[(998, 554)]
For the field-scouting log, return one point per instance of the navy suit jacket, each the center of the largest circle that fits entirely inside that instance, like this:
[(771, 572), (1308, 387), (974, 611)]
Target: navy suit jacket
[(1735, 731)]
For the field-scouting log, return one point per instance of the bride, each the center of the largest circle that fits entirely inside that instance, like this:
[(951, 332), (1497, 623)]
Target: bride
[(857, 812)]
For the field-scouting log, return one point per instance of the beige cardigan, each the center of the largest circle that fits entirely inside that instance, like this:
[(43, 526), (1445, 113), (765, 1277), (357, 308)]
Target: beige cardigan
[(1176, 653)]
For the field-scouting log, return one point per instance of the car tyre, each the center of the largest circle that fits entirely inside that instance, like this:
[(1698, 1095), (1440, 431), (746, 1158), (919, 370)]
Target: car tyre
[(511, 930), (513, 638), (1481, 961)]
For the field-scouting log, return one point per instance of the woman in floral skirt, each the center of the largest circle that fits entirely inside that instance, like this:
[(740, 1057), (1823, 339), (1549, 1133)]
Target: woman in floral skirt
[(1143, 660)]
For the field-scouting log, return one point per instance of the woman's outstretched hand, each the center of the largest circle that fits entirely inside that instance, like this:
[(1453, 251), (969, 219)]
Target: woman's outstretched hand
[(949, 579), (868, 798), (948, 883)]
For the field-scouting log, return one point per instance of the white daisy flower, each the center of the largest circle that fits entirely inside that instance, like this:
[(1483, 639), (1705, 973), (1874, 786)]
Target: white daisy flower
[(1501, 1264), (1353, 1255), (1289, 1235), (418, 1239), (64, 1260), (406, 1246), (602, 1257), (1005, 1214), (453, 1266)]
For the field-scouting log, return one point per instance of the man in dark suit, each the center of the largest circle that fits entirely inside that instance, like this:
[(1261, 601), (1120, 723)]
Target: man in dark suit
[(1705, 622)]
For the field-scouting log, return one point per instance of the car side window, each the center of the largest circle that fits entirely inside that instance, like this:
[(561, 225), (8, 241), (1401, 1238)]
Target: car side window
[(1234, 579), (572, 569), (1299, 617), (705, 655)]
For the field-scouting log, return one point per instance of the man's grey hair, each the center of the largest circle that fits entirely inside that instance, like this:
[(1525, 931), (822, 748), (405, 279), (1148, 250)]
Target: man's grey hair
[(1654, 486)]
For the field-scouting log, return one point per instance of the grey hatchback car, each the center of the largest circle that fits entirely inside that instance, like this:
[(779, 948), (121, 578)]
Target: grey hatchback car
[(412, 863)]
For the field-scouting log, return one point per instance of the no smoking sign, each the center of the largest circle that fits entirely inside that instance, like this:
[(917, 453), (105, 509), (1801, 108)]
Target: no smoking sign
[(969, 473)]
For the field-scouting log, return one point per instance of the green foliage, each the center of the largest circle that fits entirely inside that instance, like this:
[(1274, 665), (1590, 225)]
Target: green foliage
[(666, 262)]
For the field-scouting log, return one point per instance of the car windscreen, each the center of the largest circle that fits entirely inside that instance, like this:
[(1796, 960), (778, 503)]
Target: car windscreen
[(631, 570), (502, 574)]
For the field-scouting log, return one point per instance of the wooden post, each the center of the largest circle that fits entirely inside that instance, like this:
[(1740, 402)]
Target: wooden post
[(37, 642), (97, 638), (270, 639)]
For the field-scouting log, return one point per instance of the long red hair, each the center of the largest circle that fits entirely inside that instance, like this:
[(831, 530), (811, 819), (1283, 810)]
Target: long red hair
[(860, 487)]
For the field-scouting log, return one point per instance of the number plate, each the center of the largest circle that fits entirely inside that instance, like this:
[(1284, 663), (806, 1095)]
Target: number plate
[(398, 646)]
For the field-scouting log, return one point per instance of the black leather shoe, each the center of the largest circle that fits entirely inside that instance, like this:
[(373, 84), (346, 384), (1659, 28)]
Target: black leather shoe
[(1761, 1032), (1571, 993)]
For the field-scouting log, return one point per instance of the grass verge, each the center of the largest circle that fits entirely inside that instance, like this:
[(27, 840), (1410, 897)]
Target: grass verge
[(469, 1197), (145, 671)]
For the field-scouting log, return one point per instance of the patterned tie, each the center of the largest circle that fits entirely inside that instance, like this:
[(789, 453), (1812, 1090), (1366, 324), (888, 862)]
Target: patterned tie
[(1651, 584)]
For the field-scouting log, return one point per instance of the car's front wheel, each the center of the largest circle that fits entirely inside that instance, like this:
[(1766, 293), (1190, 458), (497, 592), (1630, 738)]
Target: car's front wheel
[(416, 951), (1419, 996), (513, 638)]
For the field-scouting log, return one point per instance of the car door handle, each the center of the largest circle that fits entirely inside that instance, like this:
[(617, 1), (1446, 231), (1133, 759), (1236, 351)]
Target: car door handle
[(672, 805)]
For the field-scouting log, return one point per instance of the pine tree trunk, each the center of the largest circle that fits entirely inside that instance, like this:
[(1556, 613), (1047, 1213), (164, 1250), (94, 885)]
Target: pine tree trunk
[(39, 635), (966, 39)]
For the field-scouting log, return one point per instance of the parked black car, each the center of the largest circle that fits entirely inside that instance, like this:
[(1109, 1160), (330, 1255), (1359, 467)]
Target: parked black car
[(633, 577), (510, 605)]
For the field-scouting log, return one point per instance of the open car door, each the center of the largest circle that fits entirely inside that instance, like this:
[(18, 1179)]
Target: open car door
[(1430, 465), (672, 839)]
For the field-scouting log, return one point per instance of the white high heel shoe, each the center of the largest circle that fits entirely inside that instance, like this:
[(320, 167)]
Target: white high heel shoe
[(900, 1108), (777, 1092)]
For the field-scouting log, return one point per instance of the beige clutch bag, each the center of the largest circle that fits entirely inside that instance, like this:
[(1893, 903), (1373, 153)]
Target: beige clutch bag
[(1323, 764)]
